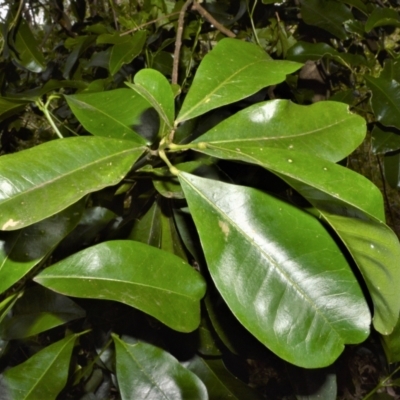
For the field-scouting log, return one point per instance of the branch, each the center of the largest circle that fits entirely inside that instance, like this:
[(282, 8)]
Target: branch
[(206, 15), (178, 41)]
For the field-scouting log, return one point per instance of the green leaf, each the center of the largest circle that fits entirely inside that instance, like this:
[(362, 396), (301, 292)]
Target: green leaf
[(9, 107), (391, 344), (39, 182), (146, 371), (326, 14), (321, 182), (304, 51), (154, 87), (220, 383), (333, 189), (22, 250), (135, 274), (27, 54), (126, 51), (359, 4), (114, 113), (39, 310), (278, 269), (42, 376), (232, 71), (385, 100), (392, 169), (78, 45), (326, 129), (384, 141), (313, 384), (148, 229), (382, 17), (376, 251)]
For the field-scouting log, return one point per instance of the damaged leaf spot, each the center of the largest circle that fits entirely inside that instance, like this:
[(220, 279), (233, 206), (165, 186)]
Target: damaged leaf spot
[(224, 228)]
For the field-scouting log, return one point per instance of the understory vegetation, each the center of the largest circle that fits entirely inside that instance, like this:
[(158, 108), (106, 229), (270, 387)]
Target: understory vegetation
[(199, 199)]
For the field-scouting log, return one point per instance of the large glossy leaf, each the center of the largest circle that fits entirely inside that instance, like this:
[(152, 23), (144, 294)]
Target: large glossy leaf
[(127, 50), (147, 372), (326, 14), (331, 186), (23, 249), (152, 280), (336, 190), (39, 310), (154, 87), (232, 71), (326, 129), (113, 114), (42, 376), (279, 271), (220, 383), (385, 100), (41, 181), (27, 54)]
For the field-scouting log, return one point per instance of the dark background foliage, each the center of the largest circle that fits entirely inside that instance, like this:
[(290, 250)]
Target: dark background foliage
[(52, 47)]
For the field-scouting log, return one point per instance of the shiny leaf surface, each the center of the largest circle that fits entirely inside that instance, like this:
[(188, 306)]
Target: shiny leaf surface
[(41, 181), (232, 71), (291, 288), (376, 251), (155, 88), (113, 114), (384, 141), (42, 376), (126, 51), (336, 190), (135, 274), (321, 182), (220, 383), (326, 129), (146, 371), (39, 310), (385, 100), (326, 14), (23, 249)]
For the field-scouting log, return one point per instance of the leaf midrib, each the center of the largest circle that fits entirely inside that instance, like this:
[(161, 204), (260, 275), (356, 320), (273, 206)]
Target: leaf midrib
[(84, 105), (119, 281), (60, 177), (309, 300), (210, 94)]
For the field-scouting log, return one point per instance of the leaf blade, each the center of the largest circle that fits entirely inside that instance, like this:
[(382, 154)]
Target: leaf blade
[(235, 232), (101, 272), (46, 179), (156, 374), (231, 62)]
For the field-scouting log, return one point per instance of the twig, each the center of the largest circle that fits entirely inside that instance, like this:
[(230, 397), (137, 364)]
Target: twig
[(178, 41), (149, 23), (206, 15)]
